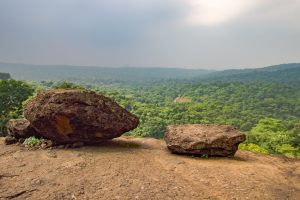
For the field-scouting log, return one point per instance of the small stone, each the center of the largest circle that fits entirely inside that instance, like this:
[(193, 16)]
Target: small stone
[(49, 143), (78, 154), (77, 144), (21, 165), (10, 140), (180, 162), (51, 154), (21, 140), (36, 182), (20, 128), (44, 146), (60, 147)]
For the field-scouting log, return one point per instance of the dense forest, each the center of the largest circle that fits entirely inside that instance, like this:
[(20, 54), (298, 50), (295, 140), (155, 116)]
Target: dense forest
[(264, 103)]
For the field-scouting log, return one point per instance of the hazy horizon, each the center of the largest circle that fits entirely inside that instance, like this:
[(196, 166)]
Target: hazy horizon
[(217, 68), (192, 34)]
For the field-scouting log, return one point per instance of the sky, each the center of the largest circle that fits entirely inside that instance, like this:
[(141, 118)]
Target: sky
[(207, 34)]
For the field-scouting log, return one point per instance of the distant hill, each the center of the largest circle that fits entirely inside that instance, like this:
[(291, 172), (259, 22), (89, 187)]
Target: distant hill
[(135, 75), (276, 73), (90, 74), (4, 76)]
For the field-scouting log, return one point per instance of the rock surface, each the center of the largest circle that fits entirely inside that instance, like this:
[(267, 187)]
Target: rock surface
[(210, 140), (131, 168), (68, 116), (20, 128)]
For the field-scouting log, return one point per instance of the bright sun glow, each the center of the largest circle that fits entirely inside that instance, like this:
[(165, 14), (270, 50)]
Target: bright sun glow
[(211, 12)]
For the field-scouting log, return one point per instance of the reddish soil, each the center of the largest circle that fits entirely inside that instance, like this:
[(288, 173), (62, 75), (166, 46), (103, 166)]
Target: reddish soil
[(135, 168)]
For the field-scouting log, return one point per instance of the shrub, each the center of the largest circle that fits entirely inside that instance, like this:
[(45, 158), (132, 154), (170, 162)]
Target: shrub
[(287, 150), (31, 141), (253, 147), (12, 94), (67, 85)]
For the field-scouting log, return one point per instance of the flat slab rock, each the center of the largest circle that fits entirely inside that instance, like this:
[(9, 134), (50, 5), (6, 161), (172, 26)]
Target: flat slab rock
[(198, 139), (68, 116)]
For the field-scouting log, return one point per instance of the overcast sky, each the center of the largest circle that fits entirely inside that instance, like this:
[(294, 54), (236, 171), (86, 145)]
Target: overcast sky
[(212, 34)]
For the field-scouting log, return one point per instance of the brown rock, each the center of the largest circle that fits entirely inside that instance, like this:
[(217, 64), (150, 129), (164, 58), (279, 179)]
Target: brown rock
[(69, 116), (21, 140), (10, 140), (210, 140), (43, 146), (77, 144), (20, 128)]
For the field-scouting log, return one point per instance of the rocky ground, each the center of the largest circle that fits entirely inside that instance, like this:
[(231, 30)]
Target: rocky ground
[(133, 168)]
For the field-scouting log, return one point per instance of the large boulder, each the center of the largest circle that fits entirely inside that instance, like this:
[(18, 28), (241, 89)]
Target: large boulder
[(20, 128), (197, 139), (68, 116)]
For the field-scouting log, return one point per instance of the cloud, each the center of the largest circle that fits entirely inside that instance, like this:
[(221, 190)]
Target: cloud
[(215, 12), (211, 12), (192, 33)]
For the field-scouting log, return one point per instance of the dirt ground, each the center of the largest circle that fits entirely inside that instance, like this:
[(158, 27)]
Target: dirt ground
[(135, 168)]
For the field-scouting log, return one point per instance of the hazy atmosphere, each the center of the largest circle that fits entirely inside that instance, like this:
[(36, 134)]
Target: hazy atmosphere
[(211, 34), (149, 99)]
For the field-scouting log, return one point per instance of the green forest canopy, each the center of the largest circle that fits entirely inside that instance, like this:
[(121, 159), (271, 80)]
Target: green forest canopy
[(267, 109)]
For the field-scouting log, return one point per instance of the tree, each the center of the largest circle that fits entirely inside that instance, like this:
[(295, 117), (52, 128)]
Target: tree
[(5, 76), (67, 85), (272, 135), (12, 94)]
